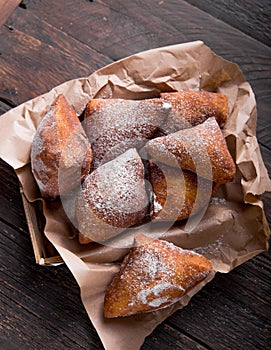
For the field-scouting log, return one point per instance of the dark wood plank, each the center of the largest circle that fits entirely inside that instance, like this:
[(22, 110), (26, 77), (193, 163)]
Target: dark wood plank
[(100, 26), (266, 197), (47, 298), (46, 57), (249, 16), (139, 25), (266, 154), (10, 198), (166, 337), (34, 26), (32, 68), (229, 312), (31, 25), (4, 107)]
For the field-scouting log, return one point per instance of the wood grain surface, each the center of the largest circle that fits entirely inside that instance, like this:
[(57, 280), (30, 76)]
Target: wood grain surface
[(44, 43), (249, 16)]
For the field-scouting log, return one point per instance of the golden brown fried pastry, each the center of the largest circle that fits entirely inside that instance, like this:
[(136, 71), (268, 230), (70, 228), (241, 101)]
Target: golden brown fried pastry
[(190, 108), (155, 274), (201, 149), (177, 193), (61, 154), (115, 125), (113, 198)]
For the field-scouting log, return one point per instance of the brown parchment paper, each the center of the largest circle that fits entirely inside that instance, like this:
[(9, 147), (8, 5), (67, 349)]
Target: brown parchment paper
[(232, 230)]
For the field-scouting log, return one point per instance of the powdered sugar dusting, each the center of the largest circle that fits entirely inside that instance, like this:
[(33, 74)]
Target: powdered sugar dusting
[(39, 146), (156, 292), (201, 149), (113, 195), (193, 107), (216, 200), (213, 249), (157, 274), (115, 125), (157, 207), (60, 145), (167, 105)]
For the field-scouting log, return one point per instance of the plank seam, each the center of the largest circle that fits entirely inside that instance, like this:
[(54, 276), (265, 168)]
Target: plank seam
[(14, 227), (178, 30), (263, 145), (190, 336), (64, 32), (7, 102), (219, 19)]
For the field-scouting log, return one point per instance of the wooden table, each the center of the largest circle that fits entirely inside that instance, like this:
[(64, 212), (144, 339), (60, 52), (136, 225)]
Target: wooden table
[(44, 43)]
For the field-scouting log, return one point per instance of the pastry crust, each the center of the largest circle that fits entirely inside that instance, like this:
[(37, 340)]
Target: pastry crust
[(190, 108), (177, 193), (201, 149), (155, 274), (115, 125), (61, 154), (113, 197)]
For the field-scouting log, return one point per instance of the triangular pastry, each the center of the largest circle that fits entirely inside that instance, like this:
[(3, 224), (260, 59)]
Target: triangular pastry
[(201, 149), (113, 197), (190, 108), (177, 193), (115, 125), (61, 154), (155, 274)]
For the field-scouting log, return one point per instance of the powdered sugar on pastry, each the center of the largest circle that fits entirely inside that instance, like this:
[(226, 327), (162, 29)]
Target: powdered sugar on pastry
[(113, 197), (115, 125), (155, 274), (177, 193), (190, 108), (60, 145), (201, 149)]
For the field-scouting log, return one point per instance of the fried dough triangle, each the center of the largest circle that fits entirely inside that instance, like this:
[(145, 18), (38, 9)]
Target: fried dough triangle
[(190, 108), (154, 275), (177, 193), (201, 149), (61, 154), (115, 125), (113, 198)]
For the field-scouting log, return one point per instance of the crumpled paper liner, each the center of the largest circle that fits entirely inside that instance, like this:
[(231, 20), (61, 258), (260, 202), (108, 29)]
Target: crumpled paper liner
[(233, 228)]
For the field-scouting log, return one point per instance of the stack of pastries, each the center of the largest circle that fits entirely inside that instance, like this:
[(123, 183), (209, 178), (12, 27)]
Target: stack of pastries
[(136, 161)]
